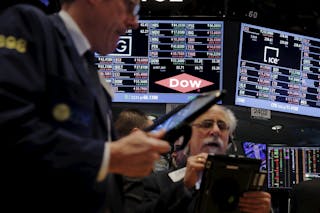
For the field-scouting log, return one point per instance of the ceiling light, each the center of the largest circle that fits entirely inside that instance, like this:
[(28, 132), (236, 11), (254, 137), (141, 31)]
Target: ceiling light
[(277, 128)]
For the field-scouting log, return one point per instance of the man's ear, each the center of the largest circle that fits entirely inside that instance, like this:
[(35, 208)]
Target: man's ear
[(232, 147), (134, 129)]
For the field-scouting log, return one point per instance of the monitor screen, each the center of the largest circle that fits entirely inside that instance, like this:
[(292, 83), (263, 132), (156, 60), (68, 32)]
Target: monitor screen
[(165, 61), (256, 151), (290, 165), (278, 71)]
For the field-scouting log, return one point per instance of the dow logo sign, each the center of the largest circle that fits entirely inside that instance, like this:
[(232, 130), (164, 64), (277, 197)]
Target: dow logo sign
[(184, 83)]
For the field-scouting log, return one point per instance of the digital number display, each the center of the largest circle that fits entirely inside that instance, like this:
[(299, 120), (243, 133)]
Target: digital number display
[(165, 61), (278, 71)]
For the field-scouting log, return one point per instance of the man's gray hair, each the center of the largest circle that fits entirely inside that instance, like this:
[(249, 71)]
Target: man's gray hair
[(231, 119)]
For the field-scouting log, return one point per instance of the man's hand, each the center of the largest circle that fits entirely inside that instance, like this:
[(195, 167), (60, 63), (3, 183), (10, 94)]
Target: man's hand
[(135, 154), (255, 202), (195, 165)]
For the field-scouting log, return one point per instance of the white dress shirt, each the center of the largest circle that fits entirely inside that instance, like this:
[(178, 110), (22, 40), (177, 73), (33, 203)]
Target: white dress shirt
[(82, 45)]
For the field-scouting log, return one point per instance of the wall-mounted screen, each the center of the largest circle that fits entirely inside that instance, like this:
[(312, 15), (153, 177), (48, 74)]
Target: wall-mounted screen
[(290, 165), (165, 61), (256, 151), (278, 70)]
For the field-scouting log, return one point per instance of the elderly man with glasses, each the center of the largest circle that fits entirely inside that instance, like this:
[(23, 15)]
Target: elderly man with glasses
[(174, 191), (56, 128)]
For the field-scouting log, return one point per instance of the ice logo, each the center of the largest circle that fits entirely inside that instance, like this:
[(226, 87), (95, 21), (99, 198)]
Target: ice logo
[(267, 58)]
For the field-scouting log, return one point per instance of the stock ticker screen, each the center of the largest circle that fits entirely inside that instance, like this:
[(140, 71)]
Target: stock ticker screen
[(165, 61), (278, 71), (288, 166)]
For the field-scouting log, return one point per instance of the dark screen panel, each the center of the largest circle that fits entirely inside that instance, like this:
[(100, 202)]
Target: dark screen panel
[(290, 165), (278, 70), (165, 61), (48, 6)]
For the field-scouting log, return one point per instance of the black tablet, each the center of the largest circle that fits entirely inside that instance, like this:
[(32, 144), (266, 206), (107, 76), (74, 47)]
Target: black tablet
[(176, 121), (225, 178)]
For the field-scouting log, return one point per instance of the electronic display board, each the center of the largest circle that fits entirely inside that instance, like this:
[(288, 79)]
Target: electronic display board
[(278, 70), (256, 151), (165, 61), (288, 166)]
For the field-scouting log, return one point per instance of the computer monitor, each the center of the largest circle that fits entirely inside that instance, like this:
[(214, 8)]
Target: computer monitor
[(165, 61), (47, 6), (256, 151), (278, 70), (288, 166)]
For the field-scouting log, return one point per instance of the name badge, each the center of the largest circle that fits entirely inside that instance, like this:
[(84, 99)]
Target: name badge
[(177, 175)]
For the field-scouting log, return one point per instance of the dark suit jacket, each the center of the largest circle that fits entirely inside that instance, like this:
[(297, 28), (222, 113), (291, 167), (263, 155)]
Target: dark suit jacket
[(305, 197), (53, 121), (157, 193)]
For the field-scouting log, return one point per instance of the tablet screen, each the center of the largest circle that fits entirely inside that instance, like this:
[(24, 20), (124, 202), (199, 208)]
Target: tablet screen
[(174, 121), (224, 180), (189, 111)]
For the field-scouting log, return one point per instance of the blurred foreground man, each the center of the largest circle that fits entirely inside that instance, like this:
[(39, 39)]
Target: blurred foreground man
[(58, 146)]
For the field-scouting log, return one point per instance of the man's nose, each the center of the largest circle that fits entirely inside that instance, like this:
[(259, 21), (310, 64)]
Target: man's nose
[(214, 129), (132, 22)]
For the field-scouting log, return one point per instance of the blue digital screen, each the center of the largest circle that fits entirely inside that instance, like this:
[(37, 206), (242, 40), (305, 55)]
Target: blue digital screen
[(45, 2), (256, 151)]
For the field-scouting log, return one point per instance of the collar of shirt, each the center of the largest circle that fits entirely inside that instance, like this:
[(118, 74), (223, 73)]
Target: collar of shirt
[(80, 41)]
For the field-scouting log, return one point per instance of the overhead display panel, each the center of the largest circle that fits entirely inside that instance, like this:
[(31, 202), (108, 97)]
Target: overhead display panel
[(278, 70)]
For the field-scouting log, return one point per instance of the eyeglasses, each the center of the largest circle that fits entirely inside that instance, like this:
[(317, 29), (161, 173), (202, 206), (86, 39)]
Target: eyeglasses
[(133, 7), (208, 124)]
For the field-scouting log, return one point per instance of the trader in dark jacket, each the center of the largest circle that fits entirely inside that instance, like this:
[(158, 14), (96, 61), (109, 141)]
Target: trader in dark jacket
[(177, 191), (56, 133), (304, 197)]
